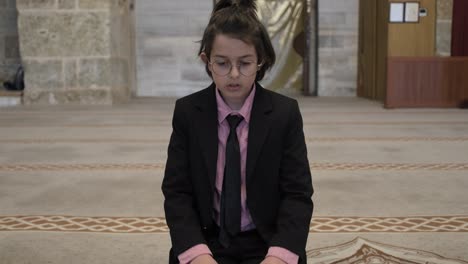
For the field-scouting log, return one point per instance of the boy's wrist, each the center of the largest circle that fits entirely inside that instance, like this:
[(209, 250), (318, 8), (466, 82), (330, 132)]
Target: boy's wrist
[(192, 253), (204, 259), (273, 260), (283, 254)]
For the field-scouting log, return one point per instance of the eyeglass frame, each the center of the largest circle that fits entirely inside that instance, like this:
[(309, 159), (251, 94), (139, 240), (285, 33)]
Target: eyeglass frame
[(238, 68)]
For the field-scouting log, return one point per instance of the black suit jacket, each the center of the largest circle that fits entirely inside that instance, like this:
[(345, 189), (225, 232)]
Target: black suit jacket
[(278, 179)]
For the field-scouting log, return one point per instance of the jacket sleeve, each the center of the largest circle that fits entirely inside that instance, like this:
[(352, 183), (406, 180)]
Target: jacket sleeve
[(296, 206), (181, 216)]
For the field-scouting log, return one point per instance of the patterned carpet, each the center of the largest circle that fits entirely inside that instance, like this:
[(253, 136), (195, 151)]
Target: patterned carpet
[(362, 251), (82, 184), (158, 224)]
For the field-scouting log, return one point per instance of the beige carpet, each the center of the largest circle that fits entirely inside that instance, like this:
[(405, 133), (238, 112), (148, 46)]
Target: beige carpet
[(82, 184)]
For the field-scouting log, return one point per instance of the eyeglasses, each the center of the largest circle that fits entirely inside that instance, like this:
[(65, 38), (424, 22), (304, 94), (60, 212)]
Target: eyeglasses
[(223, 68)]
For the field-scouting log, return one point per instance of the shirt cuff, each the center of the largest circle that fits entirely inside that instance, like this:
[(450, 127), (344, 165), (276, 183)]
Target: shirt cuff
[(190, 254), (283, 254)]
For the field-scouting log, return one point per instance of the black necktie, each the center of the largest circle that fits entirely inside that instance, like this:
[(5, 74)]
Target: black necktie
[(230, 209)]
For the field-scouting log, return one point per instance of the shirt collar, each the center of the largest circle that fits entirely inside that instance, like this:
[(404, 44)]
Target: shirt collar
[(224, 110)]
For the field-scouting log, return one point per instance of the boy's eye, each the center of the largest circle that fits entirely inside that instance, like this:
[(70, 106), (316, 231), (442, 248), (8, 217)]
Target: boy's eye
[(221, 63)]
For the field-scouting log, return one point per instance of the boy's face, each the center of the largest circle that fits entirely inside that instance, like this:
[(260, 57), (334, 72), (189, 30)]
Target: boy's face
[(236, 84)]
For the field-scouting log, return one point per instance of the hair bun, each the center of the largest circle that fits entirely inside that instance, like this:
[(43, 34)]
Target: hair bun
[(250, 4), (247, 4)]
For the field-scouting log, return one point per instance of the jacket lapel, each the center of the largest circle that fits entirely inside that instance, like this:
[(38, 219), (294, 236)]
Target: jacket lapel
[(207, 129), (259, 128)]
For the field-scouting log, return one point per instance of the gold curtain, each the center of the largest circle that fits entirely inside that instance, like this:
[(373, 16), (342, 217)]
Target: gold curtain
[(284, 20)]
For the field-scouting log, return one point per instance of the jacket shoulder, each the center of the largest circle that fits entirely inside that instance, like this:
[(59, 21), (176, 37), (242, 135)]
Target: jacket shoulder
[(279, 100), (195, 97)]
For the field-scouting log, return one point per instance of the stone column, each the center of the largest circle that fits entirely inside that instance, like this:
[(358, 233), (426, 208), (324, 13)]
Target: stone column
[(313, 48), (75, 51), (444, 27), (338, 47)]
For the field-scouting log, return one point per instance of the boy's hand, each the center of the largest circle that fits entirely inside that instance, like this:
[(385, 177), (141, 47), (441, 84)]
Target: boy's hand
[(204, 259), (272, 260)]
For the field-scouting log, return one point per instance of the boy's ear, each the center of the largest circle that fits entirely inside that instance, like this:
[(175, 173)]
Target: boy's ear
[(203, 57)]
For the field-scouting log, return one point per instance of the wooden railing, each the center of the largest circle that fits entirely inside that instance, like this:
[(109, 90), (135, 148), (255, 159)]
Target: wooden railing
[(427, 82)]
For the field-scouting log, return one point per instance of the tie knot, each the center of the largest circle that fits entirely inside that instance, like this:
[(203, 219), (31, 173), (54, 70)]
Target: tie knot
[(234, 120)]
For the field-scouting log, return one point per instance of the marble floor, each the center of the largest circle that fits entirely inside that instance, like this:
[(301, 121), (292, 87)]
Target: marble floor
[(81, 184)]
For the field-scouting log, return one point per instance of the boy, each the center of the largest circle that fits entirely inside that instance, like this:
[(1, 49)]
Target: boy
[(237, 183)]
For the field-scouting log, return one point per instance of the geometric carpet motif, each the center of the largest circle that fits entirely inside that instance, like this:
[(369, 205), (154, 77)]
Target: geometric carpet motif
[(84, 224), (160, 166), (362, 251), (158, 224), (390, 224)]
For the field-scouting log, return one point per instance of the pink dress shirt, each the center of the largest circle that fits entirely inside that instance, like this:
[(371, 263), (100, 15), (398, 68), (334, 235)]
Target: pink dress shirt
[(243, 134)]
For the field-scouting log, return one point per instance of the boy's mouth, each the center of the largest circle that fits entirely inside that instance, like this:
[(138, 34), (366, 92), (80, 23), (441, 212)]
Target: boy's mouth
[(233, 85)]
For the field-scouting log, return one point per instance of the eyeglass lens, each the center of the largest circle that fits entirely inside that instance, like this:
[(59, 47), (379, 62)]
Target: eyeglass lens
[(246, 68)]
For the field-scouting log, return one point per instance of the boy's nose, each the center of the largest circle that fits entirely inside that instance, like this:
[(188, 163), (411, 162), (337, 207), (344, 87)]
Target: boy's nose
[(234, 71)]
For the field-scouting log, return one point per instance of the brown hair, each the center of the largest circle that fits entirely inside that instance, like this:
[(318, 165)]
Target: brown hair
[(238, 19)]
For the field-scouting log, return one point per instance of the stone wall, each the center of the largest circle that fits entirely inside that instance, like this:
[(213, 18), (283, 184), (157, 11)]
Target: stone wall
[(75, 51), (9, 52), (444, 27), (167, 35), (338, 47), (83, 51)]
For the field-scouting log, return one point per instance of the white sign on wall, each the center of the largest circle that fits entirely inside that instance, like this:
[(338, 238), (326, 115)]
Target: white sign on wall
[(397, 11), (407, 12), (412, 12)]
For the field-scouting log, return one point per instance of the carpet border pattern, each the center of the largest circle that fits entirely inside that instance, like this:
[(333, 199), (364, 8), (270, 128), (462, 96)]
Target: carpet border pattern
[(319, 224)]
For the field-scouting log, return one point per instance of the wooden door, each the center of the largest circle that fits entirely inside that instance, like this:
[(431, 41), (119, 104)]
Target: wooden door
[(373, 16), (414, 39), (460, 28)]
